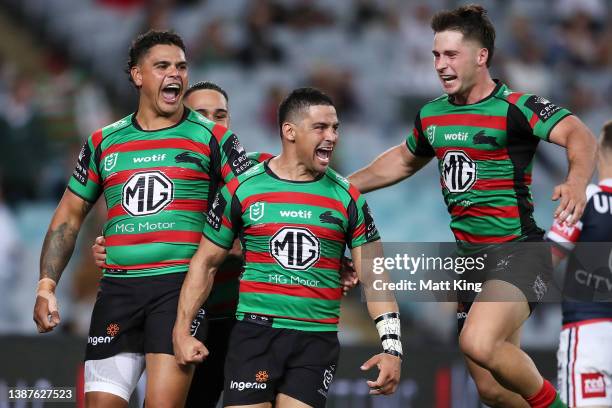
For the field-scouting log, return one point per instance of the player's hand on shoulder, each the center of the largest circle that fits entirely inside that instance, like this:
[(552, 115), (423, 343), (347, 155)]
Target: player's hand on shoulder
[(46, 312), (188, 350), (98, 250), (572, 202), (390, 368), (348, 275)]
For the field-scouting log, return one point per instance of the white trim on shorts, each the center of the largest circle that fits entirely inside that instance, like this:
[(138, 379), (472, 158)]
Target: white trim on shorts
[(584, 371), (117, 375)]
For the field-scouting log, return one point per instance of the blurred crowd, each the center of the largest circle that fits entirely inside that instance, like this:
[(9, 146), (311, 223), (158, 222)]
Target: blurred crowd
[(373, 57)]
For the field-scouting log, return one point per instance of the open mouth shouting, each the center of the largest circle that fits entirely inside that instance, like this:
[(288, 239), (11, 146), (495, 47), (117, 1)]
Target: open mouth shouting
[(448, 80), (171, 92), (324, 153)]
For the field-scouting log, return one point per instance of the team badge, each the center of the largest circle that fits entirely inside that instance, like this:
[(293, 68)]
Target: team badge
[(110, 161), (256, 211), (431, 133)]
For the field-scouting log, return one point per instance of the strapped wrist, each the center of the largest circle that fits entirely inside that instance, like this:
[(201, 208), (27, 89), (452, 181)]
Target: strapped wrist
[(389, 330), (46, 285)]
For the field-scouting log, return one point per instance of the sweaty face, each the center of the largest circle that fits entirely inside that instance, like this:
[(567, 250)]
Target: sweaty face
[(456, 61), (211, 104), (161, 76), (316, 134)]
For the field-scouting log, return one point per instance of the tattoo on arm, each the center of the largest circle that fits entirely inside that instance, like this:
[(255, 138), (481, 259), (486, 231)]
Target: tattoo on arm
[(58, 246)]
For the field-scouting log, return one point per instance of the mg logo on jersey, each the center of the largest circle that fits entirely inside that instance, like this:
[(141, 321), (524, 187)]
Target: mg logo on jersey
[(295, 248), (256, 211), (458, 171), (147, 193), (110, 161), (431, 133)]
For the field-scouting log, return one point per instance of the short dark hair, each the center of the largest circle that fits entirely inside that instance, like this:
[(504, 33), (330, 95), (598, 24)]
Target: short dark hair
[(605, 141), (144, 42), (206, 85), (298, 100), (472, 21)]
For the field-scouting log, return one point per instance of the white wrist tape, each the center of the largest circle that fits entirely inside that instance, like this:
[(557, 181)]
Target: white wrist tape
[(389, 330)]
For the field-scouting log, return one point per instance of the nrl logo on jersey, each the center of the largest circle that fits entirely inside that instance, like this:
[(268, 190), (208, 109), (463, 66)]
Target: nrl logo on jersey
[(431, 133), (256, 211), (110, 161), (118, 123), (203, 119)]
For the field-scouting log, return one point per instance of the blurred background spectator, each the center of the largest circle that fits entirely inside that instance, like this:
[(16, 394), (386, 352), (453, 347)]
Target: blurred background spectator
[(61, 78)]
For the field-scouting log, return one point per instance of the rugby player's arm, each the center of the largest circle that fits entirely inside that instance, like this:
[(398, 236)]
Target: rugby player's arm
[(56, 252), (379, 303), (194, 292), (392, 166), (581, 147)]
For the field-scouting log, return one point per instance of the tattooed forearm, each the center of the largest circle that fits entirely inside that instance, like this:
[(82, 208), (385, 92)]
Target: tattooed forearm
[(56, 251), (59, 244)]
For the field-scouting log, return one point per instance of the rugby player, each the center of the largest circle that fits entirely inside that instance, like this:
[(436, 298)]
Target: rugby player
[(294, 216), (212, 102), (584, 362), (485, 136), (156, 168)]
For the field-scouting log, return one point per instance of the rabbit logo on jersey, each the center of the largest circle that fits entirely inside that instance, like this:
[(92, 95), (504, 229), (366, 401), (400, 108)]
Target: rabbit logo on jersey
[(458, 171)]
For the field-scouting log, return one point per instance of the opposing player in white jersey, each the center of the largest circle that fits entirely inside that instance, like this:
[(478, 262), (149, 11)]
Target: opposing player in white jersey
[(585, 346)]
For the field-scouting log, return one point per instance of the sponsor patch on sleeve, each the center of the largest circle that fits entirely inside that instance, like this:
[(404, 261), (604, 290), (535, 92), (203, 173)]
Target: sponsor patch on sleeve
[(236, 156), (82, 167), (215, 212), (542, 107), (371, 232)]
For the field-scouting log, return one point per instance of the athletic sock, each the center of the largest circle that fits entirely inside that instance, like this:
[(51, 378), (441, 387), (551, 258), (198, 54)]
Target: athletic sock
[(546, 398)]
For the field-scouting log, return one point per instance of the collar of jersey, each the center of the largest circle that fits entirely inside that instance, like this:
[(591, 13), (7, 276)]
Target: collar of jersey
[(137, 125), (606, 182), (498, 87), (272, 174)]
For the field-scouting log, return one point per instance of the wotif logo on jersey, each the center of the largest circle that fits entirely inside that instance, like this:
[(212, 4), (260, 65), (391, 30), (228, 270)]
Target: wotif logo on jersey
[(296, 214), (147, 193), (458, 171), (148, 159)]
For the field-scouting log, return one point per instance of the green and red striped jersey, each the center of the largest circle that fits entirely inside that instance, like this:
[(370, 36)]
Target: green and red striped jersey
[(156, 186), (223, 298), (293, 235), (485, 156)]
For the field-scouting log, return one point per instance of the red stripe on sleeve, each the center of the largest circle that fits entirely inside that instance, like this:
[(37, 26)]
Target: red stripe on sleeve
[(96, 138), (218, 131), (514, 97)]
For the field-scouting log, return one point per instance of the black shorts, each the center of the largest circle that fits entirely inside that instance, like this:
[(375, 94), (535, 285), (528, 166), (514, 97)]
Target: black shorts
[(136, 315), (263, 361), (208, 379), (525, 265)]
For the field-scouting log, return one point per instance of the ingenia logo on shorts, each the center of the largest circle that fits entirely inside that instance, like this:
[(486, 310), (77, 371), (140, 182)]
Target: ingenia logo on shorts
[(111, 330), (259, 384)]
